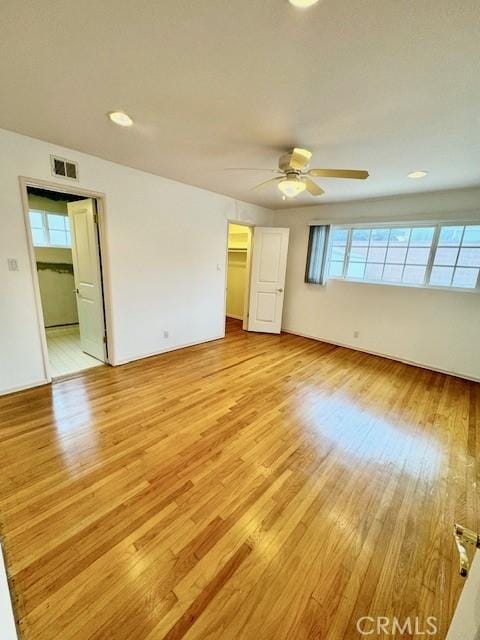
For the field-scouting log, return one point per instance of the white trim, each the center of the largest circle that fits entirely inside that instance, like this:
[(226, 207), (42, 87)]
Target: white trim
[(9, 627), (167, 350), (246, 303), (24, 387), (384, 283), (106, 280), (412, 363), (465, 217), (433, 247)]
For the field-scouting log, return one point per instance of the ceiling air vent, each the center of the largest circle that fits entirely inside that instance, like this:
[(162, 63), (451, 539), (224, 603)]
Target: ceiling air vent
[(64, 168)]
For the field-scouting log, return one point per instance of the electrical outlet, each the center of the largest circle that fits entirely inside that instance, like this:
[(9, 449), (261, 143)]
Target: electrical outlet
[(12, 264), (165, 334), (356, 334)]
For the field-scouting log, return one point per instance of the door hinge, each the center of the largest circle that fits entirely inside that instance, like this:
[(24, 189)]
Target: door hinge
[(95, 218), (105, 339)]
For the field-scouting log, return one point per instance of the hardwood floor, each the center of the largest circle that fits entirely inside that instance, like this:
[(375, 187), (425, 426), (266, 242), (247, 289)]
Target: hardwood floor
[(258, 487)]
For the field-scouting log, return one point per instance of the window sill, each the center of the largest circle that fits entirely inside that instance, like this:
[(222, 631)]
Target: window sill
[(404, 285)]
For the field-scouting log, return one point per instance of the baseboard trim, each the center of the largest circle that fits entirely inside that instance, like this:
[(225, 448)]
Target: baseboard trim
[(24, 387), (412, 363), (119, 363), (230, 315)]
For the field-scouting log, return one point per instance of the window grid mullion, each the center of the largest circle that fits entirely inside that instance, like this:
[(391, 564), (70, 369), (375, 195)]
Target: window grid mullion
[(348, 250), (431, 257), (46, 230), (433, 247)]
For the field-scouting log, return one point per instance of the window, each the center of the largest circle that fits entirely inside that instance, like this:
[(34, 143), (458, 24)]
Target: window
[(50, 229), (424, 255)]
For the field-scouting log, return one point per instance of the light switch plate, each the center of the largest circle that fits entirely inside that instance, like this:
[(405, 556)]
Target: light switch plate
[(12, 264)]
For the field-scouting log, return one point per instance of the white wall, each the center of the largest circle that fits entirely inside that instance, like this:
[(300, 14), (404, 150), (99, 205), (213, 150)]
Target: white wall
[(434, 328), (165, 258)]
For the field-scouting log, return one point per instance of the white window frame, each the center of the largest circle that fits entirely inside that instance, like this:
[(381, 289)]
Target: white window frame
[(46, 229), (396, 225)]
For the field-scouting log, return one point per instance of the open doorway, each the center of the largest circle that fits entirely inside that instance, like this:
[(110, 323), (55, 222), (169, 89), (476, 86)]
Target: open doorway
[(238, 274), (67, 262)]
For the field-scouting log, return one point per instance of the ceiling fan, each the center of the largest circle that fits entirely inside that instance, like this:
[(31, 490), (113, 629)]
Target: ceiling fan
[(296, 175)]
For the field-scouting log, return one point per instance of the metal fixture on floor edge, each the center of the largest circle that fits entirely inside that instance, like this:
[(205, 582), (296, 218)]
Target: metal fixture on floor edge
[(464, 536)]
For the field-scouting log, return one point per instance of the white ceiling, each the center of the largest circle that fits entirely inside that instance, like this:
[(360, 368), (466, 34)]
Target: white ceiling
[(385, 85)]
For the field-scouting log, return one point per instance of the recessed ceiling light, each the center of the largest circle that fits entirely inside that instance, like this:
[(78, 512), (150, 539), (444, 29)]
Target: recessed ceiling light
[(417, 174), (120, 118), (303, 4)]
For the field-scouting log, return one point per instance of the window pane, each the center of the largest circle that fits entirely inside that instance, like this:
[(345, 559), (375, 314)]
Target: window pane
[(56, 222), (38, 238), (377, 254), (469, 257), (450, 235), (36, 220), (68, 239), (356, 269), (396, 254), (414, 274), (465, 278), (336, 269), (422, 236), (379, 237), (399, 237), (339, 236), (373, 271), (418, 256), (446, 255), (360, 236), (393, 272), (441, 276), (358, 254), (472, 236), (58, 238), (338, 253)]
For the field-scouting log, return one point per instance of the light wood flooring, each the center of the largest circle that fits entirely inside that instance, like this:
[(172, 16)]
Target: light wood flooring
[(65, 353), (258, 487)]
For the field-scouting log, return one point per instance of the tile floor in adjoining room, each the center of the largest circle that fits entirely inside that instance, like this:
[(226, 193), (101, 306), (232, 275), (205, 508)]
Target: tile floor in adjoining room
[(65, 352)]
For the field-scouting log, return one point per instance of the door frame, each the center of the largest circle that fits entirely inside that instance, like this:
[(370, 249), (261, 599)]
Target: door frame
[(246, 303), (99, 197)]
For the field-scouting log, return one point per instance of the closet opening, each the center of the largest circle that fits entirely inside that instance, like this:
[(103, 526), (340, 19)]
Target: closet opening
[(66, 260), (238, 274)]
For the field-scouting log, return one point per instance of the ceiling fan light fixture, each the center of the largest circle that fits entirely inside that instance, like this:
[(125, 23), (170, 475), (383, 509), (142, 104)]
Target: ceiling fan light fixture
[(291, 187), (415, 175), (303, 4)]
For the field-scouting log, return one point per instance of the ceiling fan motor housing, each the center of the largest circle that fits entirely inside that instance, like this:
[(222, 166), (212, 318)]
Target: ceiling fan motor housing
[(284, 163)]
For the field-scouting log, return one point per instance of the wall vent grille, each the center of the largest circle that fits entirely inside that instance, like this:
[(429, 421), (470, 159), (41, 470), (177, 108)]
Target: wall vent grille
[(64, 168)]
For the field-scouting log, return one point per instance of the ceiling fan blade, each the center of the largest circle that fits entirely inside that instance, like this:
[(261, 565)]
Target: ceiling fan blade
[(250, 169), (339, 173), (300, 158), (313, 188), (267, 182)]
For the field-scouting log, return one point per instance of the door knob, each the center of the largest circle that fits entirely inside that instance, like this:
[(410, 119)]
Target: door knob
[(76, 291), (280, 290)]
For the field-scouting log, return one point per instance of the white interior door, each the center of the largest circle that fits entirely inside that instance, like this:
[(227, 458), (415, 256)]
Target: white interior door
[(88, 282), (267, 285), (466, 620)]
